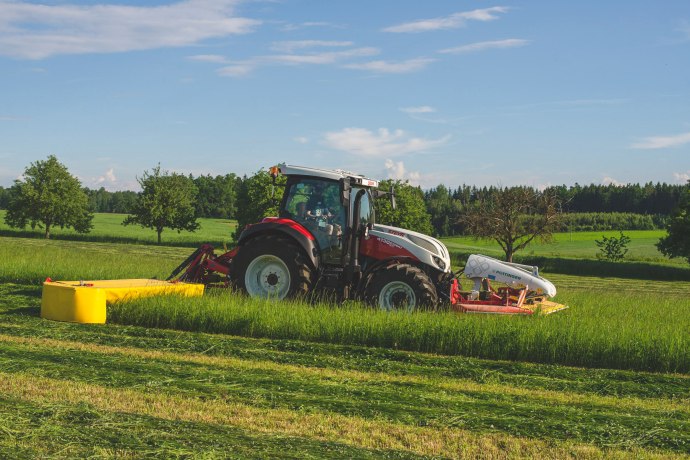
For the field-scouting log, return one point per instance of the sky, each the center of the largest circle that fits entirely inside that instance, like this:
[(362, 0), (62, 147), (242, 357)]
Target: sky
[(435, 92)]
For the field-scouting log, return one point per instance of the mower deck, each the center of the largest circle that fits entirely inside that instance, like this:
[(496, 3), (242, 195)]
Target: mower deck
[(85, 301), (544, 307)]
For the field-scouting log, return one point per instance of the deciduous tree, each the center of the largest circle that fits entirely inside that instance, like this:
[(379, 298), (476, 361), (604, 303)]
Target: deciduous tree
[(257, 198), (166, 201), (677, 242), (612, 248), (410, 212), (48, 196), (514, 217)]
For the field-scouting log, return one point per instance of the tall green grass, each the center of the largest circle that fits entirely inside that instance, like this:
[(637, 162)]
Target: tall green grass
[(32, 261), (606, 330), (616, 323)]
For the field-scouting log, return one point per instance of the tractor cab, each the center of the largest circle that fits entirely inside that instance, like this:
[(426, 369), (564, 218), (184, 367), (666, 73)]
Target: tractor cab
[(322, 202)]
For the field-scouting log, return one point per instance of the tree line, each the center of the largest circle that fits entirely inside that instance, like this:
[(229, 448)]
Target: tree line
[(48, 196), (636, 206), (220, 196)]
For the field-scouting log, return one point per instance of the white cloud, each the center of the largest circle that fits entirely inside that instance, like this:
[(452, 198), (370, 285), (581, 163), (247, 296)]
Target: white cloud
[(416, 110), (291, 46), (396, 170), (236, 70), (453, 21), (611, 181), (214, 58), (33, 31), (243, 68), (108, 177), (301, 140), (682, 177), (410, 65), (382, 143), (662, 142), (304, 25), (320, 58), (481, 46)]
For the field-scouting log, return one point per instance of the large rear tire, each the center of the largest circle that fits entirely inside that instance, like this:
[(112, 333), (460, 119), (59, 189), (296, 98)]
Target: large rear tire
[(401, 287), (271, 267)]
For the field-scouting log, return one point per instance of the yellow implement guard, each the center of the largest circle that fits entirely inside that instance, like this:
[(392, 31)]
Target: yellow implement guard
[(85, 301)]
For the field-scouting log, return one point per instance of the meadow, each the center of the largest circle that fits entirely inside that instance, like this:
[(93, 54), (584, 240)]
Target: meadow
[(578, 245), (108, 228), (225, 376)]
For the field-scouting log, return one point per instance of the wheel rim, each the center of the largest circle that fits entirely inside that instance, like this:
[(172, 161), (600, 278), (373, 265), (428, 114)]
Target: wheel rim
[(267, 276), (397, 295)]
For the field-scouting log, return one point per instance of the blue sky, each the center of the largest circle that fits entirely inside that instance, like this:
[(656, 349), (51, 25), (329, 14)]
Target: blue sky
[(475, 92)]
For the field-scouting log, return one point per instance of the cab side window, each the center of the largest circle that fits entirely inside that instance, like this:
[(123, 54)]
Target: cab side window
[(366, 210)]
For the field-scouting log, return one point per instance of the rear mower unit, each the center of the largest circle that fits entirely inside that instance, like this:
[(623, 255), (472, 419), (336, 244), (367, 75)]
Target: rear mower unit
[(325, 240)]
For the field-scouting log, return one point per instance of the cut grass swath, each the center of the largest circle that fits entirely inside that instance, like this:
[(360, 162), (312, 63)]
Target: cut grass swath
[(606, 332)]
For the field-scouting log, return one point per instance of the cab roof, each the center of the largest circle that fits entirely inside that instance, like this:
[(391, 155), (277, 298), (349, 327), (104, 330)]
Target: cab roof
[(334, 174)]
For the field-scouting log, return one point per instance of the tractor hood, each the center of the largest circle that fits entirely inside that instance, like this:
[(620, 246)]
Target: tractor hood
[(425, 248)]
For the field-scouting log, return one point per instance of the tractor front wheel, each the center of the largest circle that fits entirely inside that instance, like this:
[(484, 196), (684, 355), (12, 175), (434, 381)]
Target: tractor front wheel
[(271, 267), (401, 287)]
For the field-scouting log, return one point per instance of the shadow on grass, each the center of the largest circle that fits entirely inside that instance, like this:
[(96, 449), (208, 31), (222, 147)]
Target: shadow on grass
[(22, 311), (591, 267), (107, 239)]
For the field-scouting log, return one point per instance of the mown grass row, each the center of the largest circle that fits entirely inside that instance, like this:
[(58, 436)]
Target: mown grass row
[(395, 414), (156, 392), (19, 318), (643, 332)]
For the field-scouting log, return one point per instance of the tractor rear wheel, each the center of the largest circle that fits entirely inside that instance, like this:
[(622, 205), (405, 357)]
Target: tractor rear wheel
[(401, 287), (271, 267)]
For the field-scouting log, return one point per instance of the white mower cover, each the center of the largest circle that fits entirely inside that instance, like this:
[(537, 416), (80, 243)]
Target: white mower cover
[(514, 275), (425, 248)]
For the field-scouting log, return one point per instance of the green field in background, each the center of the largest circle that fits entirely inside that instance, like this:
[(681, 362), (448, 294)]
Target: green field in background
[(108, 228), (573, 245)]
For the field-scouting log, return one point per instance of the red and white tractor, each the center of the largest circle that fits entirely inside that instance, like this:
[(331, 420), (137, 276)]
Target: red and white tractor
[(326, 241)]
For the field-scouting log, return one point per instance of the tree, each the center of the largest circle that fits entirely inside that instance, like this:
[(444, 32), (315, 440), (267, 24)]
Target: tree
[(166, 201), (677, 242), (410, 212), (123, 201), (613, 249), (514, 217), (257, 198), (4, 196), (48, 196), (443, 209), (217, 196)]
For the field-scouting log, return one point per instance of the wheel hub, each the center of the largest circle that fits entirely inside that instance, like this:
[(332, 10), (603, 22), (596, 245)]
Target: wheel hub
[(267, 276), (397, 295)]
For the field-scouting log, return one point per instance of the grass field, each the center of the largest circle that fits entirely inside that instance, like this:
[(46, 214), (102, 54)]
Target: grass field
[(109, 228), (578, 245), (318, 381), (71, 390)]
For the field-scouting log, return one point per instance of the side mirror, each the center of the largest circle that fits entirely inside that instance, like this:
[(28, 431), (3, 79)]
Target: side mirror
[(345, 192), (392, 194)]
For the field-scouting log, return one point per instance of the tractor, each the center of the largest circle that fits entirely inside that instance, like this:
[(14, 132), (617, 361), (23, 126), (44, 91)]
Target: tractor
[(325, 241)]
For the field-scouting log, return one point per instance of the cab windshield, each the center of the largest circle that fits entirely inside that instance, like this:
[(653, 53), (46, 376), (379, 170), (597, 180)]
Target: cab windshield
[(315, 203)]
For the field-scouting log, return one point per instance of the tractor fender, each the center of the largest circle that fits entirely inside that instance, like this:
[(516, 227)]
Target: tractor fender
[(288, 228)]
